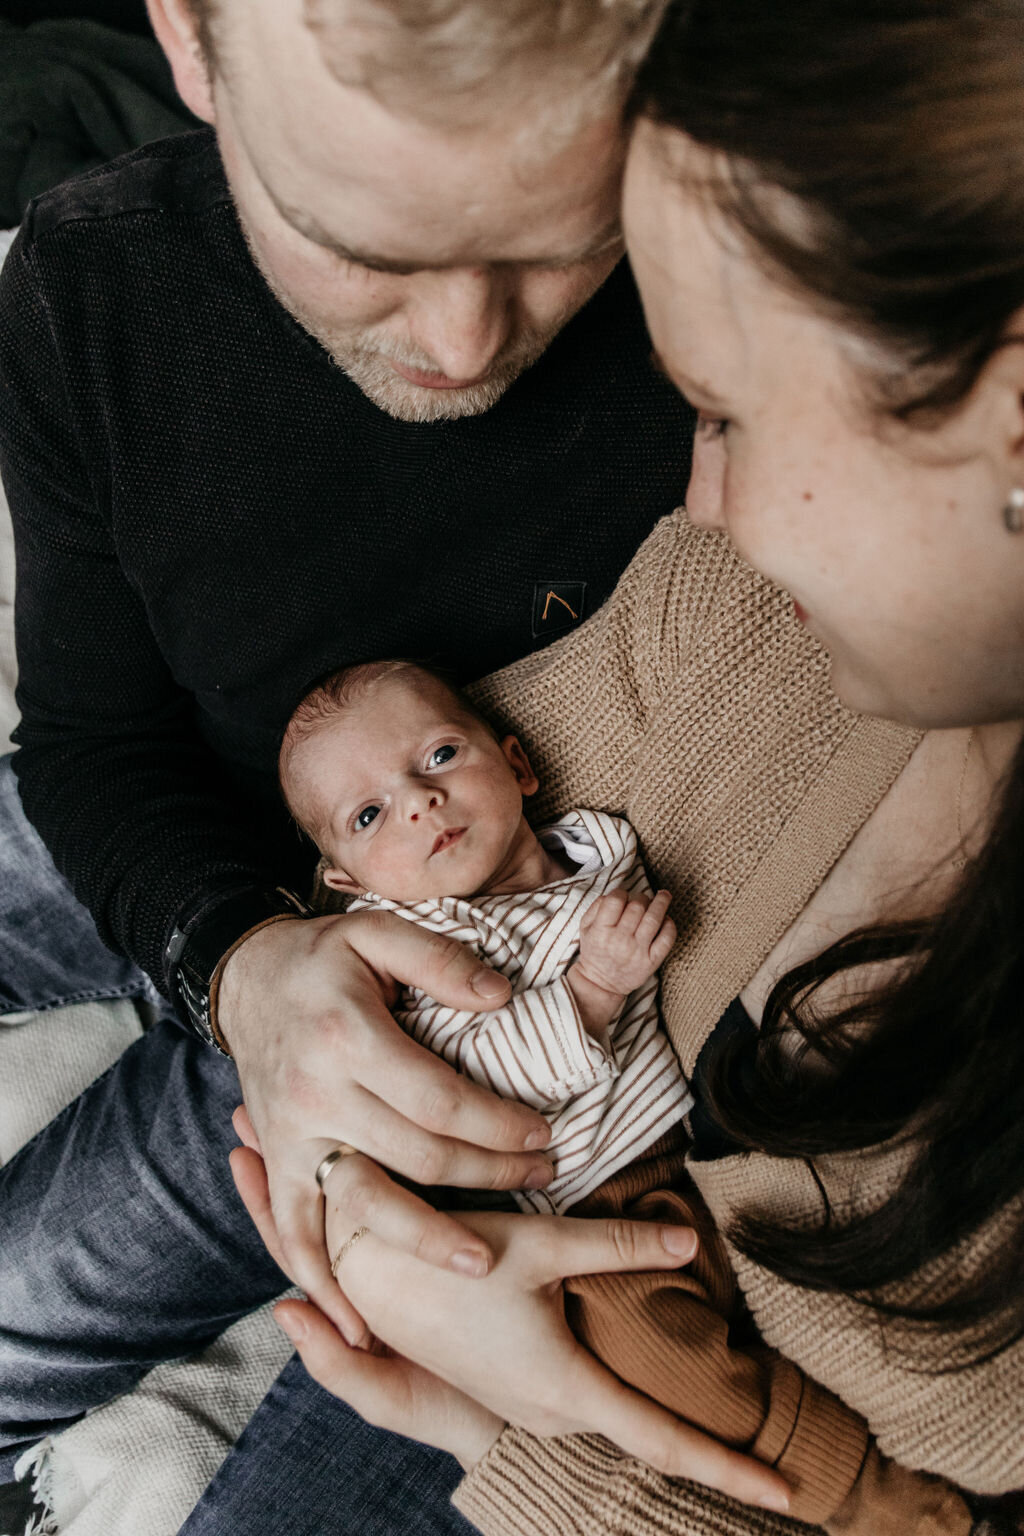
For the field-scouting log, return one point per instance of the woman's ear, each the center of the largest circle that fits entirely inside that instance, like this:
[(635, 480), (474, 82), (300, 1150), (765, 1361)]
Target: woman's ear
[(335, 877), (520, 764), (175, 28), (998, 399)]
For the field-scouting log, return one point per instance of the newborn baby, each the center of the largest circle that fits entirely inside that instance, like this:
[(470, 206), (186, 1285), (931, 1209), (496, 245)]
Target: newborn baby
[(417, 808)]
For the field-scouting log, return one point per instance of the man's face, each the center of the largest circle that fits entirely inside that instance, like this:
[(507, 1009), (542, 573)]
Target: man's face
[(433, 265)]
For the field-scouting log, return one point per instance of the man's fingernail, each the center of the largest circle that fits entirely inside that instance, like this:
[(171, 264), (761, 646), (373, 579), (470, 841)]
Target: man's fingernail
[(488, 984), (537, 1139), (779, 1502), (539, 1176), (468, 1261), (294, 1327), (681, 1242)]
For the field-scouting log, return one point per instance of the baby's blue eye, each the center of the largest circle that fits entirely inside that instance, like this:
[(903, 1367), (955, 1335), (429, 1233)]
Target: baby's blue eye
[(366, 815), (442, 755)]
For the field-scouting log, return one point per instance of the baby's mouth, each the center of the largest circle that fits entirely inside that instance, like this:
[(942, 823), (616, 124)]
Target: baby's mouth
[(448, 837)]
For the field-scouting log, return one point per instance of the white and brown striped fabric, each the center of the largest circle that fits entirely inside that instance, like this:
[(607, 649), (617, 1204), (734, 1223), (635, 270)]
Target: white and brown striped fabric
[(606, 1101)]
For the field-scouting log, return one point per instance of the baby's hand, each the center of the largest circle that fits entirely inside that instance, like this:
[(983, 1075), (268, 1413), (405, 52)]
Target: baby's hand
[(623, 940)]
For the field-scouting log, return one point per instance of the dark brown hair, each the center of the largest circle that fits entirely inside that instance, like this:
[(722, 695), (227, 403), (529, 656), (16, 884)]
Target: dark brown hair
[(896, 127)]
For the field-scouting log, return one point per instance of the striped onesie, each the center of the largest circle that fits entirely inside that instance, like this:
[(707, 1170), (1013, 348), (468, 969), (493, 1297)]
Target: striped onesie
[(606, 1100)]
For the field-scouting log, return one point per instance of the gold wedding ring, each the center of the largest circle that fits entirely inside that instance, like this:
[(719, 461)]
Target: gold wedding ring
[(334, 1156), (349, 1242)]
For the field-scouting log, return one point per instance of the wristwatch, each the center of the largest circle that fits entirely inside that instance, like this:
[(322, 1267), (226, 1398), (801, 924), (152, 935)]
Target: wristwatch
[(202, 935)]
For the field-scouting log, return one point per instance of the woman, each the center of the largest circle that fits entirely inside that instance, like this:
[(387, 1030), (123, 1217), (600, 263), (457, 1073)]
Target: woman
[(824, 210)]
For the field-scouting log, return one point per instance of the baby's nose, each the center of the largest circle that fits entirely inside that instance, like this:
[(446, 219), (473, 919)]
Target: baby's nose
[(424, 801)]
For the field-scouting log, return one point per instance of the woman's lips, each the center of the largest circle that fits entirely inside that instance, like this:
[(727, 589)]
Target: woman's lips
[(447, 839), (431, 380)]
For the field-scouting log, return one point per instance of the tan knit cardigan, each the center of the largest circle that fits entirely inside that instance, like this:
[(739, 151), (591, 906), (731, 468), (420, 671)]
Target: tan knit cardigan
[(694, 705)]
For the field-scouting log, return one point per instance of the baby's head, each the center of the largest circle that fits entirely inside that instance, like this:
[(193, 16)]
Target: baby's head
[(403, 787)]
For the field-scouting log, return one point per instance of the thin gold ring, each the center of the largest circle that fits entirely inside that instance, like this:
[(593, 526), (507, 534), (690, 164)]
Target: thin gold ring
[(349, 1242), (333, 1157)]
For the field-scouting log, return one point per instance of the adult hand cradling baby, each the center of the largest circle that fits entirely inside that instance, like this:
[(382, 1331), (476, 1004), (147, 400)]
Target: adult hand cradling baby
[(358, 1078), (500, 1345)]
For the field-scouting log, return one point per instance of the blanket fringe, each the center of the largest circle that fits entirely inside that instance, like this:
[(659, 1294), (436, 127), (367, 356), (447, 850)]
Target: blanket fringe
[(36, 1462)]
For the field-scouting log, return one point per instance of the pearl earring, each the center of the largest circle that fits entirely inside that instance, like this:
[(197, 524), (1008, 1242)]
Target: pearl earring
[(1013, 512)]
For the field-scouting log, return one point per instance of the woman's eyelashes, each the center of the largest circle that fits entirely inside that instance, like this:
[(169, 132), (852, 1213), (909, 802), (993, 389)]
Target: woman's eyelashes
[(712, 426)]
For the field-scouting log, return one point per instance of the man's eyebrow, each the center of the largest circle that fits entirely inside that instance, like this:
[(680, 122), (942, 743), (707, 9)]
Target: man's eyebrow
[(308, 227)]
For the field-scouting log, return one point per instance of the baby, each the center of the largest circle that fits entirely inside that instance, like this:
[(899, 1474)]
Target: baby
[(417, 808)]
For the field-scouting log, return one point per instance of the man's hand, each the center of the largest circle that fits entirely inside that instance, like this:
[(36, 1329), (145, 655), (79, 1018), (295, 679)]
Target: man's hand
[(304, 1007), (623, 941)]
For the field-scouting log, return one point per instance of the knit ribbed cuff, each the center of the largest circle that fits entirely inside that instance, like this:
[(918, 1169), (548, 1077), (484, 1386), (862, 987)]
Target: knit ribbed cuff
[(818, 1446), (582, 1485)]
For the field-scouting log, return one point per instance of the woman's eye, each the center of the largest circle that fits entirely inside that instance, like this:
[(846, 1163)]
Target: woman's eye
[(442, 755), (366, 815), (712, 426)]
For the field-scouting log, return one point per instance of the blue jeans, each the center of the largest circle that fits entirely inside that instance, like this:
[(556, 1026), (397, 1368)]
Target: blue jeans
[(123, 1243)]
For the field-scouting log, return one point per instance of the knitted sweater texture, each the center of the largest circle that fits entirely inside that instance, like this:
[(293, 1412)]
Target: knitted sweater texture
[(209, 515), (694, 705)]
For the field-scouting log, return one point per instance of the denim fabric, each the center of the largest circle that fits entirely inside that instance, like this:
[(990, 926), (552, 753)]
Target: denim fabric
[(50, 952), (124, 1244), (309, 1466), (124, 1241)]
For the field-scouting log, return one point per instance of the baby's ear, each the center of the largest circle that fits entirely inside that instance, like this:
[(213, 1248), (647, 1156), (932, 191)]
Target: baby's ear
[(337, 879), (520, 764)]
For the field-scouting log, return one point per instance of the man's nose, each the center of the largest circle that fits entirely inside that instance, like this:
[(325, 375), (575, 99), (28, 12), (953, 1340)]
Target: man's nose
[(463, 319), (421, 799)]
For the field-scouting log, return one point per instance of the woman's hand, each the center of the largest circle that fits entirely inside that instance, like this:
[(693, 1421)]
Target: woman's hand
[(389, 1391), (305, 1007), (503, 1341)]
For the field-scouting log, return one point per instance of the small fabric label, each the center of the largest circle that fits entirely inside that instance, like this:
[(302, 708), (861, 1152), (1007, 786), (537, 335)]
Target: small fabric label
[(557, 605)]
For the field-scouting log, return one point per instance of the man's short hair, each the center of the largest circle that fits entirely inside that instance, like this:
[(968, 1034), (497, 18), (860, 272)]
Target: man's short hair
[(436, 59)]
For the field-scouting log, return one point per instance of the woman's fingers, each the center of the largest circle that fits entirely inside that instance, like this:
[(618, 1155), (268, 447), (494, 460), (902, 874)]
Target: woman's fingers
[(646, 1430), (244, 1129), (568, 1245), (375, 1385), (389, 1391), (360, 1194), (250, 1175)]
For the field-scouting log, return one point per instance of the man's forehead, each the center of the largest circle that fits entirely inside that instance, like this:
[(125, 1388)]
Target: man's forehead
[(350, 173)]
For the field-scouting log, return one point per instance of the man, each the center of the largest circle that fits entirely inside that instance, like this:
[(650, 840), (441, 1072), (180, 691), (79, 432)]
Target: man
[(359, 377)]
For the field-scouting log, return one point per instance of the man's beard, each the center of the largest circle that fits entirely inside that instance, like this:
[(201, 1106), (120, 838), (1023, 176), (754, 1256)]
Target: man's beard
[(366, 355), (367, 360)]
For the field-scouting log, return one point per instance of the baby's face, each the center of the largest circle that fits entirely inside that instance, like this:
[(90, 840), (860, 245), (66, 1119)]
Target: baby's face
[(413, 797)]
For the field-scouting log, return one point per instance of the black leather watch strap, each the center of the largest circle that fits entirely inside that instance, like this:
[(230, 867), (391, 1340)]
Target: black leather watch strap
[(202, 936)]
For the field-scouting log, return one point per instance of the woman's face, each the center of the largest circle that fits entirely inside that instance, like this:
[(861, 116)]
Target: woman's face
[(889, 538)]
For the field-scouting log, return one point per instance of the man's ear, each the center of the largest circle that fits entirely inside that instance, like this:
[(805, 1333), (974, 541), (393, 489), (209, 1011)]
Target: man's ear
[(520, 764), (175, 28), (336, 878)]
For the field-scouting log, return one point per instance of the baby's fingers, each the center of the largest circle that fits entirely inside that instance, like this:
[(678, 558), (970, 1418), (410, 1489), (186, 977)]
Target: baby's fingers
[(654, 917), (605, 911), (661, 944)]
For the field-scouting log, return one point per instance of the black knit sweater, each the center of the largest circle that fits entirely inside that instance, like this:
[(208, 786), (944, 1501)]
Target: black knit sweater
[(208, 515)]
